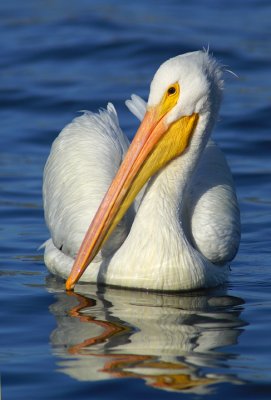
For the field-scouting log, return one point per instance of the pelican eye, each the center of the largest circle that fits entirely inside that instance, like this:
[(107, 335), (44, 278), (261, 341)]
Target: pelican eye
[(171, 90)]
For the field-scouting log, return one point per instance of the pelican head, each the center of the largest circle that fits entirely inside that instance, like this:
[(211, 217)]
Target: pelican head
[(183, 102), (197, 78)]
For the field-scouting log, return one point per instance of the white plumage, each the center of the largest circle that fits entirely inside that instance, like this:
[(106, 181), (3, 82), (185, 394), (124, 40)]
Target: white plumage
[(183, 228)]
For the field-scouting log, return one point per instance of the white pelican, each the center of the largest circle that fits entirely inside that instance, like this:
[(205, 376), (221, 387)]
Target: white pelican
[(182, 230)]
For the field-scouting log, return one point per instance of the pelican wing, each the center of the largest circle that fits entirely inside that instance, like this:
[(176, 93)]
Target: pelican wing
[(213, 207), (83, 161)]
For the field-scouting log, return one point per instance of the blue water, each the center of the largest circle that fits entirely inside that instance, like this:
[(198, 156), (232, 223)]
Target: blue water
[(58, 57)]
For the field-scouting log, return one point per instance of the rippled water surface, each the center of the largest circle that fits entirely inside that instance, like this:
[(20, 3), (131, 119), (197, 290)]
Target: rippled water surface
[(58, 57)]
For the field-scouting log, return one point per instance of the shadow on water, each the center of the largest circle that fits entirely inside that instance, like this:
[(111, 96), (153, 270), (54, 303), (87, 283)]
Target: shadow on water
[(173, 342)]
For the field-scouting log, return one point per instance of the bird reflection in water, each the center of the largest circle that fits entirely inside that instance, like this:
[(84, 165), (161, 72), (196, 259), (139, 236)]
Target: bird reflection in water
[(170, 341)]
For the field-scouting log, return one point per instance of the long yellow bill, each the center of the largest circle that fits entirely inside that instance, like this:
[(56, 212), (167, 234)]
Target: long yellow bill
[(155, 144)]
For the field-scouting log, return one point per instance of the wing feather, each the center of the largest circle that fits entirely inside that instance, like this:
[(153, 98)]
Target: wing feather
[(213, 208), (137, 106), (83, 161)]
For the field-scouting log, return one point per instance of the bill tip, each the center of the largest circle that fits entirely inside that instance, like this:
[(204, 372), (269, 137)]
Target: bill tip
[(69, 285)]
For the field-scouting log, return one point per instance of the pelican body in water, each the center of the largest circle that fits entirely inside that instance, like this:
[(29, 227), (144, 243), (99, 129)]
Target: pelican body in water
[(160, 214)]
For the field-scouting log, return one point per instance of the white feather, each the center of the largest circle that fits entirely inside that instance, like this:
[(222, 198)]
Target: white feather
[(137, 106), (83, 161)]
